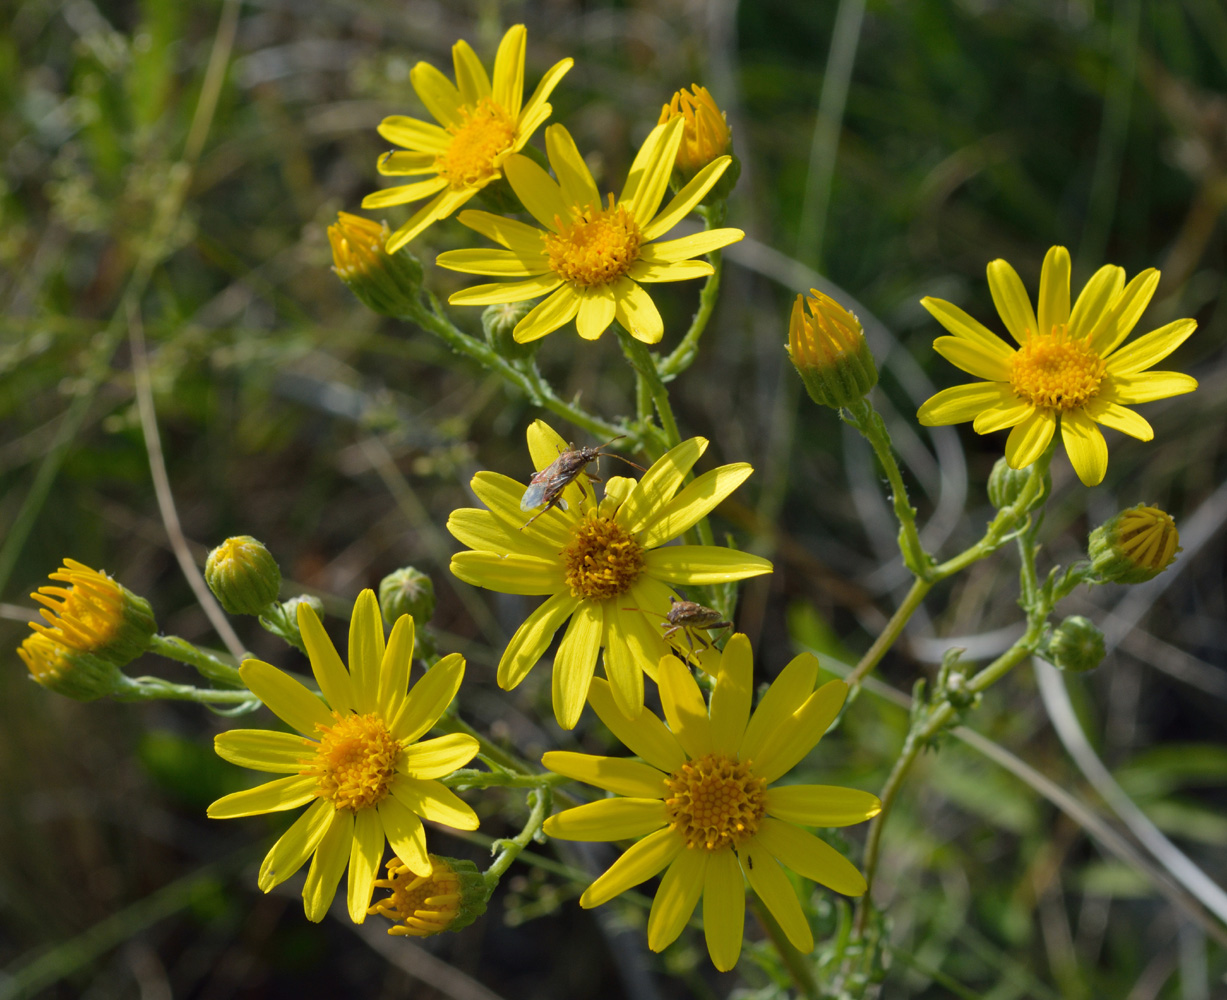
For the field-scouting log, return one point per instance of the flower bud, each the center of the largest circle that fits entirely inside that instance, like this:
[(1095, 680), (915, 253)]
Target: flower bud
[(1075, 646), (70, 672), (389, 284), (1135, 546), (705, 137), (95, 615), (243, 575), (827, 347), (451, 897), (1005, 486), (499, 322), (407, 592)]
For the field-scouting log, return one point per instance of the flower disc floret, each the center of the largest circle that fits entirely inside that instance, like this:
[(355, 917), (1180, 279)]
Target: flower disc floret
[(355, 761), (94, 614), (598, 246), (715, 802), (1056, 371), (478, 143), (602, 559)]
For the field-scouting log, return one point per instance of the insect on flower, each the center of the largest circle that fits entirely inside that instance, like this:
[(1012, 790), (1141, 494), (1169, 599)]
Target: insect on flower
[(547, 485), (685, 617)]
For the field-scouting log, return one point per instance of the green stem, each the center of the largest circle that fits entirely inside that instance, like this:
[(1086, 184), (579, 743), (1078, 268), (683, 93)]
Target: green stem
[(794, 961), (509, 850), (157, 689), (886, 638), (206, 664), (684, 354), (644, 363), (472, 778)]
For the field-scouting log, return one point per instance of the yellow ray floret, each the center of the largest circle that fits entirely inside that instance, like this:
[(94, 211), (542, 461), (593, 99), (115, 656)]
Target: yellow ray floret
[(1069, 367), (605, 566), (356, 764), (703, 800), (480, 124), (593, 256)]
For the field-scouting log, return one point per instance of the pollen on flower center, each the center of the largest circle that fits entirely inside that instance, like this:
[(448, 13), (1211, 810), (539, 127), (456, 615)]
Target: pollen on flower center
[(477, 142), (1056, 371), (599, 246), (355, 761), (714, 801), (602, 559)]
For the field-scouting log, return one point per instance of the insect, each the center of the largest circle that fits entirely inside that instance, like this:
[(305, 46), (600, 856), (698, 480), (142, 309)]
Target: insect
[(546, 486), (685, 617)]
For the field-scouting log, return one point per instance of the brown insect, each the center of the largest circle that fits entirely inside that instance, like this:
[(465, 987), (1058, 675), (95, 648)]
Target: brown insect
[(546, 486), (686, 617)]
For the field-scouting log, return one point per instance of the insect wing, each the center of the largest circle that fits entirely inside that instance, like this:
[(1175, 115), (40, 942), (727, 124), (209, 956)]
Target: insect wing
[(534, 496)]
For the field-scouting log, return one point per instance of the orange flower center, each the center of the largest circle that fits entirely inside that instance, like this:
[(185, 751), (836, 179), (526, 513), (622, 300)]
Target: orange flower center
[(597, 247), (602, 559), (1056, 371), (478, 143), (715, 801), (355, 761)]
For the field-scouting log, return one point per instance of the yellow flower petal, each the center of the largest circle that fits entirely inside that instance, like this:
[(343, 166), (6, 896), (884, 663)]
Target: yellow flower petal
[(684, 202), (1010, 298), (395, 667), (366, 647), (511, 573), (1150, 349), (404, 164), (724, 909), (682, 270), (499, 263), (963, 402), (535, 110), (273, 796), (696, 501), (440, 207), (297, 844), (613, 774), (641, 861), (596, 311), (685, 709), (1126, 310), (1001, 416), (437, 93), (672, 251), (810, 857), (642, 629), (658, 485), (1028, 440), (962, 325), (676, 898), (645, 736), (1054, 290), (263, 750), (508, 90), (416, 135), (637, 312), (558, 310), (327, 866), (788, 691), (969, 355), (292, 703), (405, 833), (518, 236), (499, 292), (429, 698), (623, 670), (608, 819), (434, 801), (575, 662), (821, 805), (503, 495), (730, 701), (1119, 418), (365, 857), (1148, 386), (703, 564), (768, 880), (539, 193), (1095, 300), (797, 735), (650, 172), (532, 639), (330, 673), (471, 78), (439, 757), (574, 178), (1088, 452)]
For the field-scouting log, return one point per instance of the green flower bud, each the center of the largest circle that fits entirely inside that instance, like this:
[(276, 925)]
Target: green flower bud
[(82, 676), (1005, 485), (388, 283), (451, 897), (829, 351), (1076, 645), (243, 575), (1135, 546), (407, 592), (499, 323)]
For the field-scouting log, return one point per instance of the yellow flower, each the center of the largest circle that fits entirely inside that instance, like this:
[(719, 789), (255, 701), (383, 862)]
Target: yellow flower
[(450, 898), (706, 135), (480, 126), (356, 761), (605, 567), (388, 283), (78, 675), (94, 614), (702, 800), (828, 349), (591, 257), (1134, 546), (1066, 367)]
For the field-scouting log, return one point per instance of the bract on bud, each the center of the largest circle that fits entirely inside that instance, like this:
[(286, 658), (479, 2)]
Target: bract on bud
[(1134, 546), (70, 672), (827, 346), (243, 575), (452, 896), (390, 284), (1005, 485), (407, 591), (705, 137), (1076, 645), (499, 322)]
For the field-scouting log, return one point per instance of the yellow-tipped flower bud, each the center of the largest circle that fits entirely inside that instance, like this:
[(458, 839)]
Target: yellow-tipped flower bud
[(827, 346), (407, 591), (705, 137), (95, 615), (70, 672), (387, 283), (452, 896), (243, 575), (1135, 546), (1076, 645)]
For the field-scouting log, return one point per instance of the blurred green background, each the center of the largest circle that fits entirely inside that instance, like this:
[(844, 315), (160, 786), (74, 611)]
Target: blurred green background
[(171, 167)]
